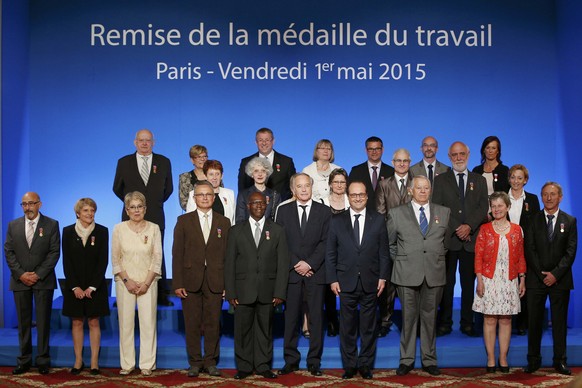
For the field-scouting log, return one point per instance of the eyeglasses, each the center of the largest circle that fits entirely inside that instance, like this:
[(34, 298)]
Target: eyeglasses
[(431, 145), (339, 182), (399, 161), (201, 156), (134, 207), (258, 203), (204, 195), (324, 148), (358, 195), (29, 204), (377, 149)]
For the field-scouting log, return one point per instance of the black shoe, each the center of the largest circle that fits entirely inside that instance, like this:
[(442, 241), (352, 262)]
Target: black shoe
[(241, 375), (383, 331), (288, 368), (366, 373), (20, 369), (349, 373), (268, 374), (95, 371), (314, 370), (77, 371), (43, 370), (443, 330), (562, 368), (331, 329), (432, 370), (404, 369), (490, 369), (532, 367), (502, 368), (165, 302), (193, 371), (469, 330)]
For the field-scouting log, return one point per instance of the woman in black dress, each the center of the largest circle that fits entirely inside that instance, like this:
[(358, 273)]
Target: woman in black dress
[(85, 259)]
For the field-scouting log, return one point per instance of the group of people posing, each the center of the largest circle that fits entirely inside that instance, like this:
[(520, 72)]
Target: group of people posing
[(303, 240)]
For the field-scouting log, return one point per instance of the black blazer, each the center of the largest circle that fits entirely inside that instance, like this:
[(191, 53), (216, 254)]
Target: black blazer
[(556, 256), (283, 170), (41, 257), (345, 261), (361, 173), (531, 206), (311, 247), (158, 190), (446, 193), (256, 274), (501, 183)]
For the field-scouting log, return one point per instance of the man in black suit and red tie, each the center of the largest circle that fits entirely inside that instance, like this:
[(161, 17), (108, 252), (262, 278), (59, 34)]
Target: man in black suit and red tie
[(306, 224), (357, 264), (465, 193), (372, 171), (151, 175), (283, 167), (551, 241), (32, 249)]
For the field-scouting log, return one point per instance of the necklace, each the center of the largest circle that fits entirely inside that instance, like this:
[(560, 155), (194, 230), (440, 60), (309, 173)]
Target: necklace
[(500, 228)]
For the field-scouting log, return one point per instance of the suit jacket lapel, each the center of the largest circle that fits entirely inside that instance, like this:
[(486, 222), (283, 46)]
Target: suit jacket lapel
[(195, 223), (39, 228)]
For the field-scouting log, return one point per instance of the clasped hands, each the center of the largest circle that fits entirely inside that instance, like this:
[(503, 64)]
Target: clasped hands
[(136, 288), (29, 278)]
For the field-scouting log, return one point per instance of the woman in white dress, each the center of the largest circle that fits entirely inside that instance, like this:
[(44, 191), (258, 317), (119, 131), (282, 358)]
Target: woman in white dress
[(321, 168), (499, 263)]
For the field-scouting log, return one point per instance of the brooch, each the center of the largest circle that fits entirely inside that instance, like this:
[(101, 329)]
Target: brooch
[(93, 240), (526, 206), (495, 177), (225, 200), (155, 168), (145, 239), (471, 186), (219, 232)]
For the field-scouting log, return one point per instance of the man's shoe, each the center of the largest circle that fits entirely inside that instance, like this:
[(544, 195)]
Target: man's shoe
[(562, 368), (383, 331), (349, 373), (314, 370), (241, 375), (532, 367), (288, 368), (432, 370), (213, 371), (20, 369), (193, 371), (268, 374), (331, 329), (469, 330), (366, 373), (443, 330), (43, 370), (404, 369)]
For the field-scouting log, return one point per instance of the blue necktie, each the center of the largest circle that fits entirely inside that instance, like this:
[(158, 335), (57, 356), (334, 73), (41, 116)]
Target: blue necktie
[(357, 229), (423, 222)]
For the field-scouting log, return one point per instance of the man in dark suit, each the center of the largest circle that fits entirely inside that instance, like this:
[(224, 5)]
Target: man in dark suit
[(151, 175), (390, 193), (306, 225), (417, 233), (32, 249), (283, 167), (465, 193), (550, 248), (429, 166), (256, 270), (198, 267), (357, 265), (372, 171)]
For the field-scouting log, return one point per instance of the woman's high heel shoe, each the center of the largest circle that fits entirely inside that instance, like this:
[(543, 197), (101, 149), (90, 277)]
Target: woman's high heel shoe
[(502, 369), (490, 369)]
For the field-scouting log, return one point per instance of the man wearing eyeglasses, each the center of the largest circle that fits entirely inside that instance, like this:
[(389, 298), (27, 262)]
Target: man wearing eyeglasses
[(283, 166), (372, 171), (357, 265), (151, 175), (198, 267), (32, 249), (429, 166), (392, 192)]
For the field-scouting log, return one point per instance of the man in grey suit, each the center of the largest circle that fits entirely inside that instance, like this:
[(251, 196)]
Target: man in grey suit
[(429, 166), (32, 249), (465, 193), (416, 233), (256, 270)]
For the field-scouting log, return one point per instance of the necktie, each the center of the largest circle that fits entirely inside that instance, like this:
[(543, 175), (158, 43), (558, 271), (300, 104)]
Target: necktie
[(462, 187), (30, 233), (374, 177), (357, 229), (206, 229), (303, 225), (402, 188), (430, 174), (257, 233), (144, 170), (423, 222), (550, 227)]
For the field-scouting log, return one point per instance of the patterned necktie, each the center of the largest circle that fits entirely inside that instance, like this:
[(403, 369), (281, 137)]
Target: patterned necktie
[(402, 188), (550, 227), (374, 177), (430, 174), (303, 225), (30, 233), (257, 233), (357, 229), (423, 222), (206, 229), (144, 170)]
